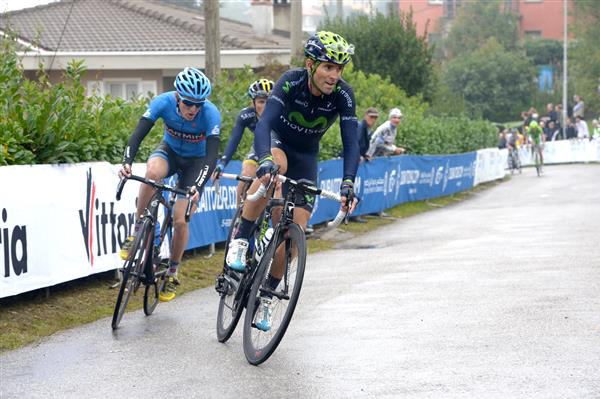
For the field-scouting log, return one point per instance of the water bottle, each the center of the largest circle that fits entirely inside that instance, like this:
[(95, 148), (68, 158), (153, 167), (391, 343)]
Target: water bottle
[(261, 245)]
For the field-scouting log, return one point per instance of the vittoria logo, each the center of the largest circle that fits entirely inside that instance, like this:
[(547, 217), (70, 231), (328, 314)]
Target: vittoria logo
[(102, 230), (14, 247)]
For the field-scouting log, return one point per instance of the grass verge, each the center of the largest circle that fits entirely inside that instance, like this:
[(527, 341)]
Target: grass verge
[(28, 317)]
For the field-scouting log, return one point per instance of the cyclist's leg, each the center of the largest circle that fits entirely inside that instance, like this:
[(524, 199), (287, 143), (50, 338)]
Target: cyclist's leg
[(299, 166), (157, 168), (249, 167)]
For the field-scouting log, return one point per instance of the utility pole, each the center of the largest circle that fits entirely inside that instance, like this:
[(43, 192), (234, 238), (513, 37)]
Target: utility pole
[(565, 85), (296, 27), (212, 34), (340, 9)]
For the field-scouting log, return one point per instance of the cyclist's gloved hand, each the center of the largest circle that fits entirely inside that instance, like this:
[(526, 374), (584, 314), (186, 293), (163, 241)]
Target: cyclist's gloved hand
[(266, 167), (347, 191), (218, 171), (125, 170)]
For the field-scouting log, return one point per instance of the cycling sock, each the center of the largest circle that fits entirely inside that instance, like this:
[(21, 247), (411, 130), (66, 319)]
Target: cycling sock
[(273, 282), (245, 229), (172, 268)]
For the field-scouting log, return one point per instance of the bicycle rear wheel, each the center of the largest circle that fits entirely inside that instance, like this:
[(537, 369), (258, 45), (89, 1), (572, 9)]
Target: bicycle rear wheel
[(132, 270), (152, 291), (231, 305), (259, 345)]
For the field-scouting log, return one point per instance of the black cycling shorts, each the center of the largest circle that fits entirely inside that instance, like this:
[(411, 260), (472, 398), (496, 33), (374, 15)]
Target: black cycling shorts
[(187, 169), (300, 165)]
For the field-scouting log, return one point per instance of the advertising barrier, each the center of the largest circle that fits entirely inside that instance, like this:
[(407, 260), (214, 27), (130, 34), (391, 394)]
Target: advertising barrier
[(68, 225)]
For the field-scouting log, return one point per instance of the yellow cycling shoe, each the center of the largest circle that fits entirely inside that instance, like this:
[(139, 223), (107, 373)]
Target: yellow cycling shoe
[(168, 292), (126, 247)]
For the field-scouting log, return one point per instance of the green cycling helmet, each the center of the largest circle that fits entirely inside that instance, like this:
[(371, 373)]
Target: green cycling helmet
[(328, 47)]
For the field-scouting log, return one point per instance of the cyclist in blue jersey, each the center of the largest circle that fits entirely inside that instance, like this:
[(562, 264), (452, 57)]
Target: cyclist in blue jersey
[(189, 148), (304, 103), (247, 118)]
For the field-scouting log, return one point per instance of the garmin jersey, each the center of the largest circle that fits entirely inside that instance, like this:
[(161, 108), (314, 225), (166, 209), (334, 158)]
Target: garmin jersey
[(185, 138), (300, 118), (246, 119)]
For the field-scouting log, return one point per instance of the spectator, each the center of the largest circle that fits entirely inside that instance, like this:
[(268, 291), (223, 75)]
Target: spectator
[(364, 130), (560, 122), (582, 128), (553, 132), (383, 141), (552, 114), (571, 129), (502, 139), (595, 130), (579, 107)]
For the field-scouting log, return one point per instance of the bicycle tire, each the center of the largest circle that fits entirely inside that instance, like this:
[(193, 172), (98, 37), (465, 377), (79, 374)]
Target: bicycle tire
[(230, 310), (151, 294), (536, 159), (256, 353), (135, 264)]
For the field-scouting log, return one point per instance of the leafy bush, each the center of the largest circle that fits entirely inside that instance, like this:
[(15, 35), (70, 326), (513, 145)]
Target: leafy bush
[(44, 123)]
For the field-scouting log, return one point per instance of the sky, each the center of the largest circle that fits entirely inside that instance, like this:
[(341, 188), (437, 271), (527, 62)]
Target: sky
[(11, 5)]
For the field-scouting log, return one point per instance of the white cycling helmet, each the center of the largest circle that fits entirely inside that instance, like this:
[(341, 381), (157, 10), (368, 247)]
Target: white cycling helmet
[(395, 112)]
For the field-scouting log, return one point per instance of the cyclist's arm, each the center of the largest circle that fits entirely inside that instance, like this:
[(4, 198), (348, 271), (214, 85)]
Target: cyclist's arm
[(234, 140), (349, 132), (210, 161), (273, 108), (141, 131), (154, 111)]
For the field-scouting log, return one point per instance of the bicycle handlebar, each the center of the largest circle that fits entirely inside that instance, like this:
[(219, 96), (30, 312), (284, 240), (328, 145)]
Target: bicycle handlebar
[(309, 189), (159, 186)]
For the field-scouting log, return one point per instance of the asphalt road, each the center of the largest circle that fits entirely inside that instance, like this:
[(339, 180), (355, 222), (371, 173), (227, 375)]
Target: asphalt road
[(494, 297)]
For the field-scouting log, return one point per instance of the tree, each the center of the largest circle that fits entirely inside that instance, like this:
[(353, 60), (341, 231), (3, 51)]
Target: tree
[(388, 46), (584, 60), (496, 84), (478, 21)]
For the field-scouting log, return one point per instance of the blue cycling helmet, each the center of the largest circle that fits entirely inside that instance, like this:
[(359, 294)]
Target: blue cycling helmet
[(192, 84)]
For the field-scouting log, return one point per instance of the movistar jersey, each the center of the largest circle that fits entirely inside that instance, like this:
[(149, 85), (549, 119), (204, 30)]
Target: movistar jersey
[(300, 119), (185, 138), (245, 119)]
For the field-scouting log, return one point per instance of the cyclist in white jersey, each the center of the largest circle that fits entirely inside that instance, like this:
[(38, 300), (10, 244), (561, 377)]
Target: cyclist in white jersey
[(383, 140)]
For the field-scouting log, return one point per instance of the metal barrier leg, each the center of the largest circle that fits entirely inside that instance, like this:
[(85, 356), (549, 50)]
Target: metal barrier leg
[(211, 249)]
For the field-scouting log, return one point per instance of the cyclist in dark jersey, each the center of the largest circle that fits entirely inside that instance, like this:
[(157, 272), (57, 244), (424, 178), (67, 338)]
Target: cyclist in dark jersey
[(247, 118), (303, 105), (189, 148)]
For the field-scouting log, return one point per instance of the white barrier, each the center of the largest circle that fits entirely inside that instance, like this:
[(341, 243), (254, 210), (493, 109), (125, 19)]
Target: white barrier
[(491, 165), (61, 222), (564, 151)]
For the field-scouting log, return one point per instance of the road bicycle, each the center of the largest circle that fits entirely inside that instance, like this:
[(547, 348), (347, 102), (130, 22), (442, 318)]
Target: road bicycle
[(535, 149), (144, 264), (514, 163), (287, 246)]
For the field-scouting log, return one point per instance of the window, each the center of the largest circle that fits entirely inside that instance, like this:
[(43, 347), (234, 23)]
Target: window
[(533, 1), (126, 89), (533, 34), (436, 2), (451, 7)]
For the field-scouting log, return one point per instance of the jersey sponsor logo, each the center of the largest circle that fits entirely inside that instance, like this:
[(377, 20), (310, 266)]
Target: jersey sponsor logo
[(301, 129), (349, 118), (302, 103), (286, 87), (147, 114), (202, 176), (189, 137), (279, 100), (215, 131), (298, 118), (247, 115), (347, 96)]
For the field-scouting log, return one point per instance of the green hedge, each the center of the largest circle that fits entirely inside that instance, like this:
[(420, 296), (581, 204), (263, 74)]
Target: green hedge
[(42, 123)]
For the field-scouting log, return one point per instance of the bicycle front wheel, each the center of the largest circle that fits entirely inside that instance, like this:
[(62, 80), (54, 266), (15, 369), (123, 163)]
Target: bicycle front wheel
[(290, 250), (132, 270)]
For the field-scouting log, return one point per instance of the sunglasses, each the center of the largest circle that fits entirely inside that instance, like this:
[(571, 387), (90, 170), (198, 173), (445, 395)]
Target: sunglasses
[(189, 103)]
